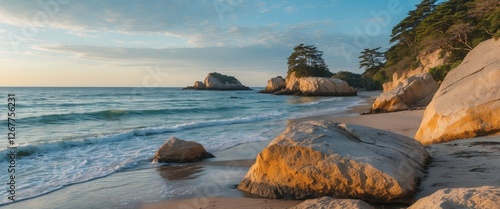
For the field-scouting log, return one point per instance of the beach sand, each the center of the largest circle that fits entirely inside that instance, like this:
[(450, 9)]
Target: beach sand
[(462, 163)]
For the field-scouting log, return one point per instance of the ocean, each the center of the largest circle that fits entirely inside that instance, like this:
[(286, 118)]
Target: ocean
[(81, 144)]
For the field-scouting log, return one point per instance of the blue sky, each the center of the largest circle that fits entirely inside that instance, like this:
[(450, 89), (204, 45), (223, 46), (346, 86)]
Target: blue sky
[(173, 43)]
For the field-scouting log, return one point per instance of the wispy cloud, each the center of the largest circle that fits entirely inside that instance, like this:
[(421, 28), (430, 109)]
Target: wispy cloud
[(290, 9)]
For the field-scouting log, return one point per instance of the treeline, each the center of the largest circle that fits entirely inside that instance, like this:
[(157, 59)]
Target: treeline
[(453, 26)]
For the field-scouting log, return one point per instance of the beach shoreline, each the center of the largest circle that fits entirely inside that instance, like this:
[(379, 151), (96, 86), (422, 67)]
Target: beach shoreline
[(445, 171), (405, 123)]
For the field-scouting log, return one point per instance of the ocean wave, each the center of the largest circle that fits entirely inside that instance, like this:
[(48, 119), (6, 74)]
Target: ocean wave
[(117, 114), (32, 149)]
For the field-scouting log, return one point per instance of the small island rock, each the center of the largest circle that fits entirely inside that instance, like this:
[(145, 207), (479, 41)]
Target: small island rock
[(316, 86), (217, 81), (179, 151)]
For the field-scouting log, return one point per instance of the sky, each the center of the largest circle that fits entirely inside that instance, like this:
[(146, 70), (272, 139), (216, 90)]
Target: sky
[(172, 43)]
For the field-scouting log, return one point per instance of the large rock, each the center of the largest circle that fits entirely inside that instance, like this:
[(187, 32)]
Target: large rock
[(413, 92), (179, 151), (472, 198), (217, 81), (321, 158), (317, 86), (467, 104), (274, 85), (292, 83), (332, 203)]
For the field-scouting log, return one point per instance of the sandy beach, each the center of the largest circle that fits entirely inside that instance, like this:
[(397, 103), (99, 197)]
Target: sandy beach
[(461, 163)]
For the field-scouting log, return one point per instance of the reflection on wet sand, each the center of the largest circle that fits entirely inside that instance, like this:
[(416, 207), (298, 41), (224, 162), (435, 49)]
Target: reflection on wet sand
[(180, 172)]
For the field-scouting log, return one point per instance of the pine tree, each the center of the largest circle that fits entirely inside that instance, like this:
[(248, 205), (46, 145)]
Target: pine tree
[(307, 61), (372, 60)]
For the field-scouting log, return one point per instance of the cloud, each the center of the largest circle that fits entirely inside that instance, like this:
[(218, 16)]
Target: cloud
[(209, 57), (340, 52), (290, 9), (207, 26)]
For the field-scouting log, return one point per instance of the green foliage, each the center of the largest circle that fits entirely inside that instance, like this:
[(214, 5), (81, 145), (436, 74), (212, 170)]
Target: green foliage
[(372, 60), (353, 79), (358, 81), (307, 61), (440, 72), (224, 78), (453, 26), (371, 85)]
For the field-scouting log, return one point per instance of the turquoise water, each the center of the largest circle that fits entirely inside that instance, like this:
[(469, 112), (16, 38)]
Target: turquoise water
[(67, 136)]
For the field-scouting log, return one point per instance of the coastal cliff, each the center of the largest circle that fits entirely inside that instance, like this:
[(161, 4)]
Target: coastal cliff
[(217, 81)]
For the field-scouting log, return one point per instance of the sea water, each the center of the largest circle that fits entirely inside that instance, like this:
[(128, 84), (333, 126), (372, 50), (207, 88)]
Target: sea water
[(68, 136)]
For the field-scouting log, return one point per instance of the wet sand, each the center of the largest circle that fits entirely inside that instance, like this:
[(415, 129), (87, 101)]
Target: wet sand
[(461, 163)]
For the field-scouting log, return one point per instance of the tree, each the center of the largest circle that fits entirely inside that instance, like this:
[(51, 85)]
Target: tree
[(404, 32), (372, 60), (307, 61), (352, 79)]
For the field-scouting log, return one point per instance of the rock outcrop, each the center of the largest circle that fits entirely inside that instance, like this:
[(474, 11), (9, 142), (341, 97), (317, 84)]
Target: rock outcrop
[(179, 151), (472, 198), (321, 158), (427, 61), (274, 85), (199, 85), (332, 203), (316, 86), (217, 81), (467, 104), (416, 91)]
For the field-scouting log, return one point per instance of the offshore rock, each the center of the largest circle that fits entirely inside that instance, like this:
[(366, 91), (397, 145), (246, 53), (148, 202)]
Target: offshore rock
[(316, 86), (274, 85), (217, 81)]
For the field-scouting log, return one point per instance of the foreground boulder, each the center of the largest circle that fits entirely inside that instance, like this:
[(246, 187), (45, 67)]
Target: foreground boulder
[(413, 92), (217, 81), (467, 103), (332, 203), (472, 198), (316, 86), (321, 158), (274, 85), (179, 151)]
